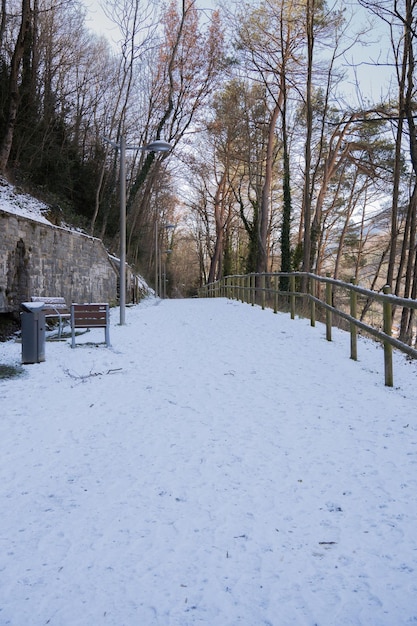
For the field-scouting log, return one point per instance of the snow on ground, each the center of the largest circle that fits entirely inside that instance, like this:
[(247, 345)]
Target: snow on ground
[(218, 465)]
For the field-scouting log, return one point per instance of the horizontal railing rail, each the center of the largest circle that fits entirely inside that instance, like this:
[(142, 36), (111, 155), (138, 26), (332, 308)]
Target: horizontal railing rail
[(264, 289)]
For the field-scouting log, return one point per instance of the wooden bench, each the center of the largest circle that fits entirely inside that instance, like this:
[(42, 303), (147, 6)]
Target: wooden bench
[(54, 308), (95, 315)]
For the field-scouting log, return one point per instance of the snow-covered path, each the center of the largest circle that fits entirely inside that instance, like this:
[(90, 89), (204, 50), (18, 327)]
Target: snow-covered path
[(219, 465)]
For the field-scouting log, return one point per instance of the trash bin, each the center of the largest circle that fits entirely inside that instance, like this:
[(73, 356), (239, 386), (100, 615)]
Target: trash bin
[(32, 318)]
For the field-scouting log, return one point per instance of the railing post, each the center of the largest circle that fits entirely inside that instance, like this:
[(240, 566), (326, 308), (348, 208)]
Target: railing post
[(263, 287), (310, 289), (252, 289), (247, 289), (328, 313), (275, 293), (389, 378), (292, 296), (353, 328)]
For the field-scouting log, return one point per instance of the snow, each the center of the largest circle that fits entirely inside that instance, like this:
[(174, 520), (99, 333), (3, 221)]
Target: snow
[(218, 465), (15, 201), (21, 204)]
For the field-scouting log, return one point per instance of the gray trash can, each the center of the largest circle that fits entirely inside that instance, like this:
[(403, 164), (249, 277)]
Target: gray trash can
[(32, 318)]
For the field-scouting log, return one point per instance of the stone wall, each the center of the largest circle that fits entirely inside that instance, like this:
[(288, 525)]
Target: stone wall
[(38, 259)]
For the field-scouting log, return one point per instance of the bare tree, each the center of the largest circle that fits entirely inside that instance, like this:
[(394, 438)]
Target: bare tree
[(188, 63), (401, 19)]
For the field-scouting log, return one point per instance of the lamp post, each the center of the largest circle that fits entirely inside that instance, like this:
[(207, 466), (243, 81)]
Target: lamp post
[(154, 146), (158, 260), (164, 273)]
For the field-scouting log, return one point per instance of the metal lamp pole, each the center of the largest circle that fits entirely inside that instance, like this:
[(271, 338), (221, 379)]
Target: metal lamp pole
[(158, 257), (155, 146), (122, 268)]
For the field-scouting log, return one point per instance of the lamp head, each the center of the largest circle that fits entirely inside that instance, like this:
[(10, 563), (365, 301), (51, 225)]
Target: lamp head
[(159, 145)]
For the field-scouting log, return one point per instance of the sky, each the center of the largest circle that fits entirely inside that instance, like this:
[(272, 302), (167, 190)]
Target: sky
[(371, 74), (218, 465), (98, 22)]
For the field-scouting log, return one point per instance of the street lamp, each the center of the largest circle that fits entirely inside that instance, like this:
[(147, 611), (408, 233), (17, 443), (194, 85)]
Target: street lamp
[(164, 273), (159, 145), (158, 260)]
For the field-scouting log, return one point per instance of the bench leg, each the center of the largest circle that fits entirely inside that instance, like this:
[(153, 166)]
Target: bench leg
[(107, 335)]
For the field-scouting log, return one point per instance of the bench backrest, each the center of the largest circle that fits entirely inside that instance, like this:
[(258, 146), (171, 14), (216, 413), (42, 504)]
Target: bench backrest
[(90, 315), (53, 306), (95, 315)]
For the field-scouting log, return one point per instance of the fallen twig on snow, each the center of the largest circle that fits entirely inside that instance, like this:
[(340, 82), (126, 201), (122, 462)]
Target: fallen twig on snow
[(83, 377)]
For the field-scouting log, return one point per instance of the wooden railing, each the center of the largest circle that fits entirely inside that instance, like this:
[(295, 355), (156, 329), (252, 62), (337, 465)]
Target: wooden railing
[(317, 291)]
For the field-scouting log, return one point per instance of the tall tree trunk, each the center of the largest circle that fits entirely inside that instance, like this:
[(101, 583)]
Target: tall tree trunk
[(286, 261), (13, 95), (286, 264), (397, 177), (2, 21), (409, 109), (262, 263), (216, 261), (310, 5)]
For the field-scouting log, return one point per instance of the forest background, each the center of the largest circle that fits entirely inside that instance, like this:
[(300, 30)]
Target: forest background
[(292, 126)]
